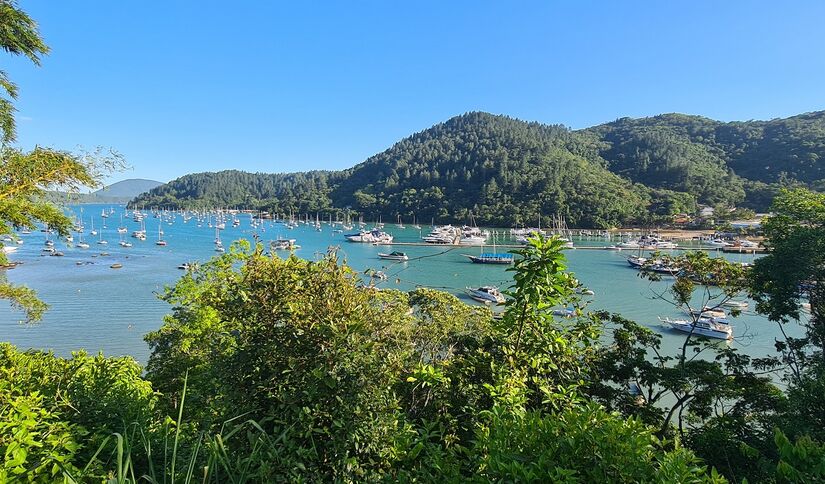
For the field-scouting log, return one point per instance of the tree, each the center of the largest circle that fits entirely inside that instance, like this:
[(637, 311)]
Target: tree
[(25, 177), (18, 36), (722, 403), (790, 274)]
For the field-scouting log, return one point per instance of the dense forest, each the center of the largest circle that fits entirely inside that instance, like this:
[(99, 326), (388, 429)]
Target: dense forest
[(503, 171)]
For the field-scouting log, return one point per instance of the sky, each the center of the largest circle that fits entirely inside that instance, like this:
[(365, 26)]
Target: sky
[(188, 86)]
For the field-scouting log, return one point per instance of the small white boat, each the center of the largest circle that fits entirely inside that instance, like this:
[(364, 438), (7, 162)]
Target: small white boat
[(718, 242), (736, 304), (283, 244), (710, 312), (486, 294), (711, 327), (394, 256), (565, 313)]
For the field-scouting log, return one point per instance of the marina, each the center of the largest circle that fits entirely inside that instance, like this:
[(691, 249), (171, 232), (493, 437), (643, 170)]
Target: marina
[(95, 307)]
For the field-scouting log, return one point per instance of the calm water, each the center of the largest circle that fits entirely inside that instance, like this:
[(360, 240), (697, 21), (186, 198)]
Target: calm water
[(97, 308)]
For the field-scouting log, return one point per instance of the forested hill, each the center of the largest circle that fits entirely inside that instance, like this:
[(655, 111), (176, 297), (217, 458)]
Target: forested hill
[(505, 172)]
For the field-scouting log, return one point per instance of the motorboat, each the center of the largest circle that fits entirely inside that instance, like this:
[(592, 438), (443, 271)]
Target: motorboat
[(710, 312), (468, 239), (395, 255), (736, 304), (491, 258), (374, 236), (657, 266), (710, 327), (283, 244), (486, 294)]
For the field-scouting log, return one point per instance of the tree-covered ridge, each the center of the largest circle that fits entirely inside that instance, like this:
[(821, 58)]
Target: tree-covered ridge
[(501, 170), (677, 148), (304, 191), (505, 172)]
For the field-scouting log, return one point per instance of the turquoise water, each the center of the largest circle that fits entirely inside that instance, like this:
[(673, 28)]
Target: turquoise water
[(98, 308)]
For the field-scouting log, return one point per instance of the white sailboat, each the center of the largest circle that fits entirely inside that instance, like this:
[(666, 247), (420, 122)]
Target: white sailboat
[(160, 241)]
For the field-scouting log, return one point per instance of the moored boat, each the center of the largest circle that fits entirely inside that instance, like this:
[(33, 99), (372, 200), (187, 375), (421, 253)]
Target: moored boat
[(395, 255), (710, 312), (736, 304), (711, 327), (491, 258), (485, 294)]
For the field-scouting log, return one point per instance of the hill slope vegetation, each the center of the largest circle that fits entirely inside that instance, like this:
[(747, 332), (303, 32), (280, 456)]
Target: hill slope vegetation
[(503, 171)]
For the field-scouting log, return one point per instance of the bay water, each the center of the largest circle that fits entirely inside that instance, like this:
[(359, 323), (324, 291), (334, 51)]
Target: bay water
[(97, 308)]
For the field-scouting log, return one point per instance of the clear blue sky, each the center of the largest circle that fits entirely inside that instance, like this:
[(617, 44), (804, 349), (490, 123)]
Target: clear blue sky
[(180, 87)]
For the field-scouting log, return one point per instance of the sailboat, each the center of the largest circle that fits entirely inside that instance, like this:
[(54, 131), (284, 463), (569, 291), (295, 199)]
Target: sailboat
[(218, 243), (122, 228), (100, 240), (494, 257), (81, 244), (160, 236)]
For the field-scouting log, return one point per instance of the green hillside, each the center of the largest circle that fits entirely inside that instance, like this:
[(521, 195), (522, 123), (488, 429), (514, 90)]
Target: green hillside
[(504, 172)]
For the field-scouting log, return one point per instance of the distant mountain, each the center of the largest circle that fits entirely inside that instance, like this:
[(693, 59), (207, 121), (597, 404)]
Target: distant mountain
[(120, 192), (503, 171), (130, 188)]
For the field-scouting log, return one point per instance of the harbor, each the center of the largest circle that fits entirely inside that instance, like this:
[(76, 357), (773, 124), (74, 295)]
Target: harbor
[(95, 306)]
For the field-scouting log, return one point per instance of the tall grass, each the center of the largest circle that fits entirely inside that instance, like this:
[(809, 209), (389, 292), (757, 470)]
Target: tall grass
[(210, 458)]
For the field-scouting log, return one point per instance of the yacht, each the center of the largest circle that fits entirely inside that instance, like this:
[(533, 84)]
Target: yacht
[(375, 236), (486, 294), (711, 327)]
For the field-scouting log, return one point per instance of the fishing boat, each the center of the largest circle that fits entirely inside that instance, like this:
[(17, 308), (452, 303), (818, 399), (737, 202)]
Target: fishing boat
[(485, 294), (395, 255), (711, 327), (116, 265)]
